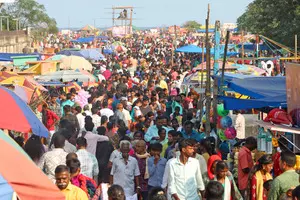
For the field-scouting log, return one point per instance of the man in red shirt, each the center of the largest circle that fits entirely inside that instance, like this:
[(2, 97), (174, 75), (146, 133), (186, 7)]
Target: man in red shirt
[(49, 119), (245, 163)]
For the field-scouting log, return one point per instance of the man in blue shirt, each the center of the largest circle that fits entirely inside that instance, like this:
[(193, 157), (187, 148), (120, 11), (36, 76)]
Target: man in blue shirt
[(189, 133), (152, 132), (156, 166), (67, 102)]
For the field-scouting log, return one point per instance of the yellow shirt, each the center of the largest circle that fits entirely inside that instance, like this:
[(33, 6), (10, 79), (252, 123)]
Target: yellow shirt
[(73, 192)]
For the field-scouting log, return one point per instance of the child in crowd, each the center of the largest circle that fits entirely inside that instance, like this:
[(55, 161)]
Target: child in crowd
[(214, 191), (267, 186)]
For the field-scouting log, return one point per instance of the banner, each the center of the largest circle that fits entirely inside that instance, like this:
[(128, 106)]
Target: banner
[(292, 86), (121, 30)]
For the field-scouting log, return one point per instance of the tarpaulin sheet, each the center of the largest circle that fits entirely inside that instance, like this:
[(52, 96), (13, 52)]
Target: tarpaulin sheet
[(7, 56), (259, 87), (262, 91)]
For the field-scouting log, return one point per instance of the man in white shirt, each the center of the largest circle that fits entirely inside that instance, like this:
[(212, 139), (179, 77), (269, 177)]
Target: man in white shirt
[(240, 125), (185, 179), (92, 138), (96, 118), (50, 160), (80, 116), (125, 171), (125, 112), (105, 111), (88, 162)]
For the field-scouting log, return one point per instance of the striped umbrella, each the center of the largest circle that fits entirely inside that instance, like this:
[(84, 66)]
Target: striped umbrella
[(16, 115), (20, 176)]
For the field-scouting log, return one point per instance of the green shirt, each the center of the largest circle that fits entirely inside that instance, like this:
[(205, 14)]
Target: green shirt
[(281, 184)]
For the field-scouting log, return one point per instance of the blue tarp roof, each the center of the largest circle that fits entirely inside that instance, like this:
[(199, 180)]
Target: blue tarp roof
[(195, 49), (252, 47), (70, 53), (189, 49), (89, 39), (263, 91), (204, 31), (259, 87), (8, 56)]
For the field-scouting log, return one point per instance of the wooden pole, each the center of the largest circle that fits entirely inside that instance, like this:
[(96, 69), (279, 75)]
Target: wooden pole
[(208, 90), (224, 61)]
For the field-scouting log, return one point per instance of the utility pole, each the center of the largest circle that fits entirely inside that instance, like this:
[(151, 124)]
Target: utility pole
[(208, 90)]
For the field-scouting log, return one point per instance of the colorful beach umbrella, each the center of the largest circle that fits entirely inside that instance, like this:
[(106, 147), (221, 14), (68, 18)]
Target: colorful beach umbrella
[(27, 181), (17, 116)]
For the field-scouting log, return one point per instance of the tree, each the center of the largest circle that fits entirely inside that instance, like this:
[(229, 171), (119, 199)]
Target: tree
[(276, 19), (191, 25), (30, 14)]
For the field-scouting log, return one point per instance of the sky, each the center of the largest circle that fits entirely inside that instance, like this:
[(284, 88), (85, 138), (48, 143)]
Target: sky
[(148, 13)]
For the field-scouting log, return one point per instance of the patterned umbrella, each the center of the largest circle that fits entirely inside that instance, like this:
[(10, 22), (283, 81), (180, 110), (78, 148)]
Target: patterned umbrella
[(19, 175)]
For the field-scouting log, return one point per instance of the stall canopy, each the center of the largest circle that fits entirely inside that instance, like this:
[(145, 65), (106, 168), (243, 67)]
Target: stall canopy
[(89, 39), (252, 47), (262, 92), (8, 56), (195, 49), (189, 49)]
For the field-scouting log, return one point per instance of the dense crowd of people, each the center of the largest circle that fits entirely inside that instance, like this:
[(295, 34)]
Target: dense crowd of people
[(142, 133)]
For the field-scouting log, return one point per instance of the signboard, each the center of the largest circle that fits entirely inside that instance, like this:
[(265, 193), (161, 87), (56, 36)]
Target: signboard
[(121, 30), (293, 86)]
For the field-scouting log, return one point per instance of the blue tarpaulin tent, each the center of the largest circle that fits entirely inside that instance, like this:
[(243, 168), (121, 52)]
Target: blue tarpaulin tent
[(189, 49), (252, 47), (195, 49), (70, 53), (91, 54), (89, 39), (262, 91)]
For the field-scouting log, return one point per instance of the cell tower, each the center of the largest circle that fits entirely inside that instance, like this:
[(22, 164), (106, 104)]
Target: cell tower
[(122, 20)]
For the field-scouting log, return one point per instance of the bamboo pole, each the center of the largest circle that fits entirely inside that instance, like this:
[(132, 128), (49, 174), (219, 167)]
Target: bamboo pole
[(208, 90)]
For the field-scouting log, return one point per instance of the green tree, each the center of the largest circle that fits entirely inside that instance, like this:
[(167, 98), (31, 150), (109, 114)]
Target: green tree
[(191, 25), (30, 14), (276, 19)]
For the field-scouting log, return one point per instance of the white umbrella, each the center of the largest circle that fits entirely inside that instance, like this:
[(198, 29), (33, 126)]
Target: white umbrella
[(64, 76), (75, 62)]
